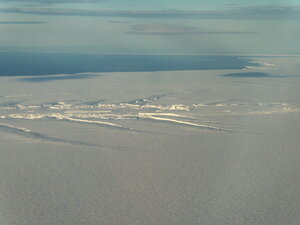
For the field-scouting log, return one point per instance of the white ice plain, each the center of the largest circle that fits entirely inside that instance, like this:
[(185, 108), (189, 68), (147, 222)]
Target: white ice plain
[(183, 147)]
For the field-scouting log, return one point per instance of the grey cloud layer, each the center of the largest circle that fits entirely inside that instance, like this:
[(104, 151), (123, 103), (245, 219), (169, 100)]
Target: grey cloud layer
[(253, 12), (52, 1), (172, 29), (22, 22)]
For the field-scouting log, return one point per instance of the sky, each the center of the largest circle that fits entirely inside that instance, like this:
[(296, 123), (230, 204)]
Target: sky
[(157, 26)]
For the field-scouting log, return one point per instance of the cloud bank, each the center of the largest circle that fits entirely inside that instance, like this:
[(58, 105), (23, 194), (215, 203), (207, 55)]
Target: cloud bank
[(160, 28), (252, 12), (172, 29)]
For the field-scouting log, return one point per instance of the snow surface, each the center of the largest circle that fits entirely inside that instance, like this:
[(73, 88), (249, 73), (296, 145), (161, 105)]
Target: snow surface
[(178, 147)]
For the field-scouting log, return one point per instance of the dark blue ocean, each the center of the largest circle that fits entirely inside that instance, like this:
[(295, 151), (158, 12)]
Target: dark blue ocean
[(31, 64)]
